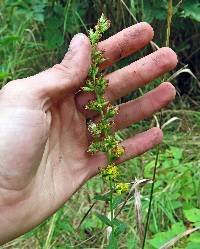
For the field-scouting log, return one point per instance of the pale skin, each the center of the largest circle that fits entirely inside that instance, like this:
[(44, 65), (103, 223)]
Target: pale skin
[(43, 132)]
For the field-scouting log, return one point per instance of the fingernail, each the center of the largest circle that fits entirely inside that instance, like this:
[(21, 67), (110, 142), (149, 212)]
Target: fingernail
[(76, 41)]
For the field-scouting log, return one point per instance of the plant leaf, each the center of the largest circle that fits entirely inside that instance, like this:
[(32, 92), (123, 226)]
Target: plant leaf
[(104, 219), (193, 214), (105, 197)]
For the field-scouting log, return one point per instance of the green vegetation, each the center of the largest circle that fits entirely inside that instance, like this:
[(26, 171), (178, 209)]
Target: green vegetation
[(34, 35), (104, 140)]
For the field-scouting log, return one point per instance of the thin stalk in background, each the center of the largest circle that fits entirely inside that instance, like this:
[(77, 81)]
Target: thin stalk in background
[(131, 14), (66, 16), (151, 197), (169, 21), (51, 231), (81, 20), (168, 31), (111, 206)]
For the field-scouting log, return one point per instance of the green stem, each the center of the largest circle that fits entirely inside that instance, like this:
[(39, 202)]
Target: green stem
[(152, 188), (51, 231), (109, 160), (111, 206), (111, 199), (95, 77), (151, 198), (169, 20)]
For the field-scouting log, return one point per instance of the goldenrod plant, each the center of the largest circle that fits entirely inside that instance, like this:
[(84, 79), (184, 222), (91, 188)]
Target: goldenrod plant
[(104, 139)]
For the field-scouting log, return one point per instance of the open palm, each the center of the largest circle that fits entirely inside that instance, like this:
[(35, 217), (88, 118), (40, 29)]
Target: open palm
[(43, 131)]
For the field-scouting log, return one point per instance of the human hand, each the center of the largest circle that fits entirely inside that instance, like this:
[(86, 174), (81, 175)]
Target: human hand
[(43, 132)]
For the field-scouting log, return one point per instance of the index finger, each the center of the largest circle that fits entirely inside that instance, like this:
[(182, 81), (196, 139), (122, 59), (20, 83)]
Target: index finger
[(126, 42)]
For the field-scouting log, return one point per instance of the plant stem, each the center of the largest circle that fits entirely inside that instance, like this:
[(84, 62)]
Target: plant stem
[(86, 214), (151, 197), (152, 186), (51, 231), (111, 207), (169, 20), (111, 200), (134, 18)]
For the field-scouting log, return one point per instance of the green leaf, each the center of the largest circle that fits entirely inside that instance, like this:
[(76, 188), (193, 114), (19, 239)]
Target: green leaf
[(155, 12), (191, 10), (53, 38), (112, 242), (176, 204), (131, 242), (195, 237), (120, 227), (53, 34), (53, 23), (92, 223), (133, 7), (104, 219), (117, 200), (176, 152), (4, 41), (38, 10), (105, 197), (3, 75), (193, 245), (197, 224), (162, 237), (193, 214)]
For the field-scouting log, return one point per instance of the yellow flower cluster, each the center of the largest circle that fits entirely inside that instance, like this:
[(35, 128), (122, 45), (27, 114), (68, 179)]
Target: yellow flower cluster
[(118, 151), (121, 188), (111, 171)]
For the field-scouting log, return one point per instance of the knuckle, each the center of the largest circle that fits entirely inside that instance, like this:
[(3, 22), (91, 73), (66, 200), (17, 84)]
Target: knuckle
[(78, 75), (60, 67), (68, 58)]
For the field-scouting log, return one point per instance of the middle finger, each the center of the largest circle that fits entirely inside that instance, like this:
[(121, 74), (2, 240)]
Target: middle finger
[(133, 76)]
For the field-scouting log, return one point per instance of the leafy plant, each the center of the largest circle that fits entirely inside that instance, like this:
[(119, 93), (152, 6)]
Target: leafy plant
[(103, 138), (34, 36), (161, 238)]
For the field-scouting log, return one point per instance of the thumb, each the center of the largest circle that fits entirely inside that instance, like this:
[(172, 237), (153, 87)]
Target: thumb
[(68, 76)]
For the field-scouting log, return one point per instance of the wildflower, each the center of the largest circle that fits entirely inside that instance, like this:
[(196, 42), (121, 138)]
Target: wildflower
[(109, 143), (93, 129), (104, 139), (94, 147), (111, 171), (102, 25), (97, 105), (118, 151), (111, 111), (121, 188)]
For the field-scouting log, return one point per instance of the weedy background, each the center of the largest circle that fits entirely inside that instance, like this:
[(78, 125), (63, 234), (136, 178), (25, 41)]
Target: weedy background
[(34, 34)]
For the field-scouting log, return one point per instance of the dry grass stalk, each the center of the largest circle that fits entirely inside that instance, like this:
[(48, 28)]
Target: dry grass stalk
[(138, 213), (173, 241)]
